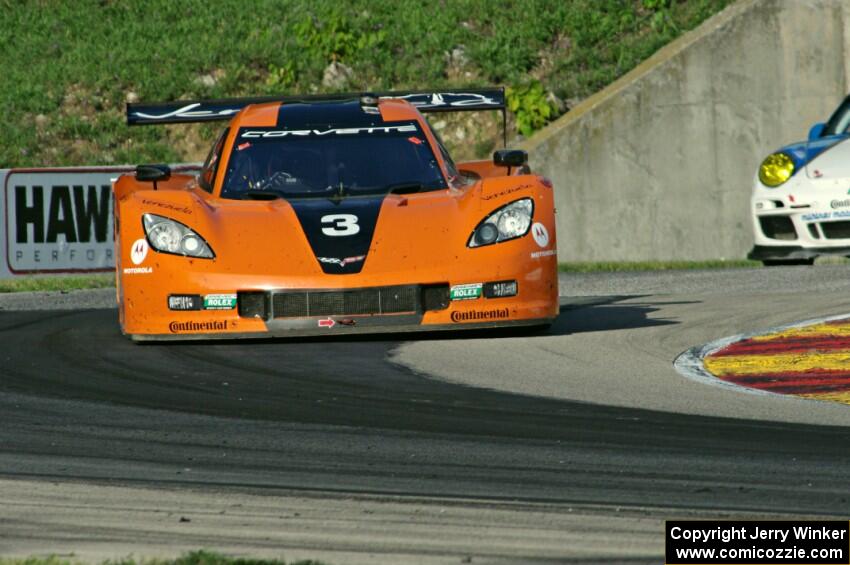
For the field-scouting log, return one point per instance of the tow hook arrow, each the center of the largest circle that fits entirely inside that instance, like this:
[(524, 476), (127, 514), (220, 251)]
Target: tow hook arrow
[(327, 323)]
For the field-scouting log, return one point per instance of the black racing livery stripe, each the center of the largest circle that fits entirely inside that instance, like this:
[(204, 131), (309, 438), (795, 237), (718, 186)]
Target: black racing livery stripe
[(339, 231), (323, 115)]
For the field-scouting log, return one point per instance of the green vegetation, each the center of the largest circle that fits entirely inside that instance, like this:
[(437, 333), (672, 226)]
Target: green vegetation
[(69, 67), (193, 558), (530, 106), (615, 267), (57, 283)]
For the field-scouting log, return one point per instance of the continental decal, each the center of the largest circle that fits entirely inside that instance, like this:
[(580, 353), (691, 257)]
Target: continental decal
[(214, 325), (475, 315)]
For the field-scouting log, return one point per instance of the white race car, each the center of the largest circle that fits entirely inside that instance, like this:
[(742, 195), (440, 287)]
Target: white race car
[(801, 197)]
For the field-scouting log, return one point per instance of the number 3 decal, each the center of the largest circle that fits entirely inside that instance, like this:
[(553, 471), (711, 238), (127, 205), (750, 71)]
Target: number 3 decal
[(340, 224)]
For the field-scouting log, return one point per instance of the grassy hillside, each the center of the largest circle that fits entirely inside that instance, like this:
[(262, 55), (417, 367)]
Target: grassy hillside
[(68, 67)]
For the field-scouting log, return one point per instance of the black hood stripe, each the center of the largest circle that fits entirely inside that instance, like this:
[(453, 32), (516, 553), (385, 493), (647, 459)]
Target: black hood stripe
[(340, 232)]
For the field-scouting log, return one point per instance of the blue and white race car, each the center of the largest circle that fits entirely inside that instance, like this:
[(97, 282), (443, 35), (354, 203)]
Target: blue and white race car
[(801, 197)]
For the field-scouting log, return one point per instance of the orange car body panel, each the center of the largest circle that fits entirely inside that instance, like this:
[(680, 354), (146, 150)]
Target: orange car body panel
[(259, 245)]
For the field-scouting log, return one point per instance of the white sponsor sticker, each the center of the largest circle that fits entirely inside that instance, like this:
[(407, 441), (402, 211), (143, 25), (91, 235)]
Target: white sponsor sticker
[(547, 253), (540, 234), (139, 251), (138, 270)]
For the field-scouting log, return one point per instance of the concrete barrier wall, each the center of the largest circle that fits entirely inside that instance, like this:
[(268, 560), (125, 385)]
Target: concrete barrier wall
[(660, 164)]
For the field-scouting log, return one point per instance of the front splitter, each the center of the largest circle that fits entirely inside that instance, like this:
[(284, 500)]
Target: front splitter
[(340, 329), (793, 252)]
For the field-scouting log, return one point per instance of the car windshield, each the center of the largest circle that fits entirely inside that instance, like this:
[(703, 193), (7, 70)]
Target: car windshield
[(332, 162)]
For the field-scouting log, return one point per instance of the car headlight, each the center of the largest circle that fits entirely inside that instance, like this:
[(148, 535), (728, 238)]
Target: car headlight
[(169, 236), (508, 222), (776, 169)]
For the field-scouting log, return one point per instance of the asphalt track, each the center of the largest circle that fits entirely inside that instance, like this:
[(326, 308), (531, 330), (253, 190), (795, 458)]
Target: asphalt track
[(360, 421)]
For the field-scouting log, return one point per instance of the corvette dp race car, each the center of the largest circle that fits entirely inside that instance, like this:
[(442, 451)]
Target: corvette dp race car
[(328, 215), (801, 198)]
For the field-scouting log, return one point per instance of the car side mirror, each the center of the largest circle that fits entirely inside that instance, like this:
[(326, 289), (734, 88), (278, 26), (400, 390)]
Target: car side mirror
[(510, 158), (816, 131), (153, 173)]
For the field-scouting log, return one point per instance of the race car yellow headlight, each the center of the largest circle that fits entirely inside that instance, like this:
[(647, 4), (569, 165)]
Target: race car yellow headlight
[(776, 169)]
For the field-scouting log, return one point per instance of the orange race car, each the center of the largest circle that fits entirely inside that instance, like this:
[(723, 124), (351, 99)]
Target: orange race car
[(330, 215)]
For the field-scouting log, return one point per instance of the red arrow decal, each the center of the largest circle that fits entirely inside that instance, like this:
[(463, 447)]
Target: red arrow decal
[(326, 323)]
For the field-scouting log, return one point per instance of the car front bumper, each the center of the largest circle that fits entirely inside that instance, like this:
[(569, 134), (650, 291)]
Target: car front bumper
[(802, 219), (793, 252), (279, 308)]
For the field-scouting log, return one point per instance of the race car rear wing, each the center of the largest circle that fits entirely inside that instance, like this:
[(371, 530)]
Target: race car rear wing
[(190, 111)]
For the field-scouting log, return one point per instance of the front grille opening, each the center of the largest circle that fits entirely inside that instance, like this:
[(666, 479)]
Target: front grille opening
[(435, 297), (399, 299), (778, 227), (291, 304), (813, 230), (357, 302), (836, 230), (252, 304)]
